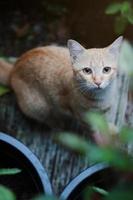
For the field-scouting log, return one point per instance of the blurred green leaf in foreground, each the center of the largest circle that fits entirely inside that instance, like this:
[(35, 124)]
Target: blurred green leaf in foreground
[(9, 171), (45, 198), (6, 194)]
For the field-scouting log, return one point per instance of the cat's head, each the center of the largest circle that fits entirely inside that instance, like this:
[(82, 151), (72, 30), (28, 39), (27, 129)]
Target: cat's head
[(95, 68)]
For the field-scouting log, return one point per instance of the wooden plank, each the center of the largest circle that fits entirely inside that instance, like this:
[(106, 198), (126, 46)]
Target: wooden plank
[(123, 83), (61, 164)]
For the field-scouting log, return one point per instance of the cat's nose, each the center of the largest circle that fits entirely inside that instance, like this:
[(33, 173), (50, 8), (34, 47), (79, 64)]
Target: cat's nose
[(98, 83)]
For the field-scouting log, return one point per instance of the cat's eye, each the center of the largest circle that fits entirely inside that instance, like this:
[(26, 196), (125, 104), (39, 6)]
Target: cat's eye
[(106, 70), (87, 70)]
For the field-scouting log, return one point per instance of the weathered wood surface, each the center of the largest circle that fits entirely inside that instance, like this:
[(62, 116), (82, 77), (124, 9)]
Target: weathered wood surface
[(60, 164)]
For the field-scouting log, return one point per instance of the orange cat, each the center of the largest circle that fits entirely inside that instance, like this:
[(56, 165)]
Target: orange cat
[(51, 82)]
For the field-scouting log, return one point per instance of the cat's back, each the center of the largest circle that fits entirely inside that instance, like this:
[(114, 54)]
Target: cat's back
[(42, 61)]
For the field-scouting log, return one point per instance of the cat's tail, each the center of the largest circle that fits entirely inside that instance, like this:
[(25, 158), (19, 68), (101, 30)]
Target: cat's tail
[(5, 71)]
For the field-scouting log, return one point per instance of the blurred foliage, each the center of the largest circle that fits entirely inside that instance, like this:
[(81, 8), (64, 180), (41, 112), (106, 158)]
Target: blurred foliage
[(122, 193), (97, 121), (9, 171), (55, 9), (126, 134), (3, 90), (73, 142), (100, 190), (123, 12), (46, 198), (90, 192), (110, 153), (5, 193)]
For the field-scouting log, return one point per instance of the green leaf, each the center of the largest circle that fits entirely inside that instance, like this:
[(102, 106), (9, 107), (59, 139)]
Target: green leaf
[(100, 191), (130, 17), (126, 134), (73, 142), (120, 194), (113, 156), (4, 90), (126, 58), (88, 193), (9, 171), (6, 194), (125, 7), (97, 121), (45, 198), (127, 11), (113, 8)]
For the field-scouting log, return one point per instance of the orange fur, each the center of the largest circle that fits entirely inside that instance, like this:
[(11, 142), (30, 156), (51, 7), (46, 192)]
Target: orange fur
[(5, 71)]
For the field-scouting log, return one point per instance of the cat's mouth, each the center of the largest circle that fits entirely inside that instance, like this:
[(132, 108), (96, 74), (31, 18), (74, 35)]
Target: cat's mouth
[(99, 87), (95, 88)]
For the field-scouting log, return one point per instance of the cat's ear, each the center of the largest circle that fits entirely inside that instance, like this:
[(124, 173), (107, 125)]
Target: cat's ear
[(75, 49), (114, 48)]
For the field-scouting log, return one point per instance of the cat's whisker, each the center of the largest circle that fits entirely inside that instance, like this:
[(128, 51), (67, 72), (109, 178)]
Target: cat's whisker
[(82, 87), (80, 83), (84, 90)]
